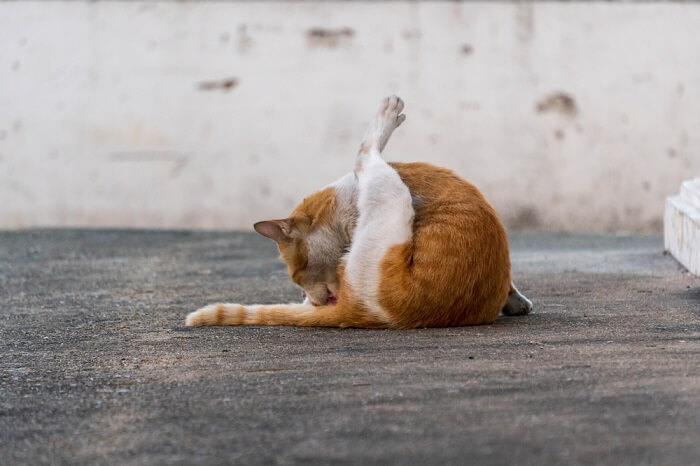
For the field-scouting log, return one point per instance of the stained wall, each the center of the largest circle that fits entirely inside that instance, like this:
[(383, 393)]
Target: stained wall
[(216, 114)]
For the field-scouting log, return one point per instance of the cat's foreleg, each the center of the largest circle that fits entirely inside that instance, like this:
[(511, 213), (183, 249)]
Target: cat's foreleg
[(516, 304), (385, 211)]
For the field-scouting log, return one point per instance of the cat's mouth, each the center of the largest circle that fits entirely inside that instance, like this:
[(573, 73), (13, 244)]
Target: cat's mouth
[(330, 299)]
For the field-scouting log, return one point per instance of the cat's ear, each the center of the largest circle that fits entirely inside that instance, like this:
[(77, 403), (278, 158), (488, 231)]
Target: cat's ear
[(279, 230)]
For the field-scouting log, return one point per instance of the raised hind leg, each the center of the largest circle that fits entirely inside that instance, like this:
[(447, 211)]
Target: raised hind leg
[(384, 206)]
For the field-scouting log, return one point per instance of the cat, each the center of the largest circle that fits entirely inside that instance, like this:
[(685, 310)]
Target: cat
[(389, 245)]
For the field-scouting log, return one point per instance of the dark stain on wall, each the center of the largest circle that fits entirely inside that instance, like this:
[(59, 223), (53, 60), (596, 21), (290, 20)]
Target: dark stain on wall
[(525, 21), (224, 85), (657, 224), (558, 102), (524, 218), (680, 89), (21, 189), (245, 40), (469, 105), (325, 37), (466, 49), (147, 156), (411, 34)]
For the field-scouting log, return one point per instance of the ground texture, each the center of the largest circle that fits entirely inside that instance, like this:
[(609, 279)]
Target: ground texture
[(96, 365)]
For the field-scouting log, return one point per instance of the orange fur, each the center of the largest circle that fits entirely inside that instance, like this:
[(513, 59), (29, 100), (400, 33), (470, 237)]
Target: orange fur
[(315, 211), (456, 269)]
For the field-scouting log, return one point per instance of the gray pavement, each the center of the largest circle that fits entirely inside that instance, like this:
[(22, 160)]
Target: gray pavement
[(96, 366)]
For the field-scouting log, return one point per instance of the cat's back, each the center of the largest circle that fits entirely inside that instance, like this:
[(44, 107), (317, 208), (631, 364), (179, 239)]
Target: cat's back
[(440, 195)]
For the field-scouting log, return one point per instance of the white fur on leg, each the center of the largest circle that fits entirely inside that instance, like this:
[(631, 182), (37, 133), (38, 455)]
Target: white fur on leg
[(516, 304), (385, 210), (387, 118), (385, 220)]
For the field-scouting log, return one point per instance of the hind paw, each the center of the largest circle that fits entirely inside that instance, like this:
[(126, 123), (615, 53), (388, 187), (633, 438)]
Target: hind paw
[(517, 304)]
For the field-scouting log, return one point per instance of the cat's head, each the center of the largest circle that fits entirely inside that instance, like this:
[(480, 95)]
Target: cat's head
[(311, 242)]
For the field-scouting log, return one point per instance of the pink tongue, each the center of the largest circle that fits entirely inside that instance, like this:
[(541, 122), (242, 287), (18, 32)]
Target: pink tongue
[(333, 300)]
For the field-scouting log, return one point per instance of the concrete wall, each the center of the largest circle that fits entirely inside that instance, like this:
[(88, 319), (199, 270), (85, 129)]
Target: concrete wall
[(568, 116)]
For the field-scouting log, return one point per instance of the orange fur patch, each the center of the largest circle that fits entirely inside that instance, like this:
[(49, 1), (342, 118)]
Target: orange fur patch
[(314, 211)]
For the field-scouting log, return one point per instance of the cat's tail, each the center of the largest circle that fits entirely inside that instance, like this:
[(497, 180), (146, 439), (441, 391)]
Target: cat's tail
[(301, 315)]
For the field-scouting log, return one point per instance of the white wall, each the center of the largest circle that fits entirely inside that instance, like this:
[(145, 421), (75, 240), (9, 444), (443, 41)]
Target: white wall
[(215, 115)]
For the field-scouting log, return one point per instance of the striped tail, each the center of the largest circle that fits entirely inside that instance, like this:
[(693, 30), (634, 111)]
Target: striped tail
[(300, 315)]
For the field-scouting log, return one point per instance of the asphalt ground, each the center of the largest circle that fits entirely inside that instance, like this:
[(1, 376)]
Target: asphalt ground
[(97, 367)]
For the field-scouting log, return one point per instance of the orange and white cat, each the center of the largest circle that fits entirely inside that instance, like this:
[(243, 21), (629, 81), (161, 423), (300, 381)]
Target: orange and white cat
[(399, 245)]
